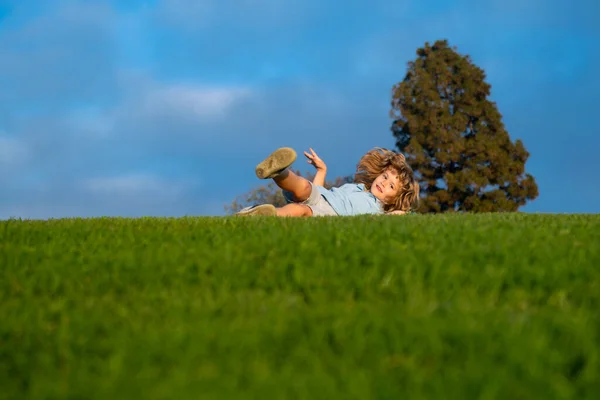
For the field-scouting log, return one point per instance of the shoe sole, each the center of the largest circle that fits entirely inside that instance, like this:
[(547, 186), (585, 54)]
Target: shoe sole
[(262, 210), (279, 160)]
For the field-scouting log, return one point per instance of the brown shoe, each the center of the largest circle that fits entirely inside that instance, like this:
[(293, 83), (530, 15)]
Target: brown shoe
[(263, 209), (276, 163)]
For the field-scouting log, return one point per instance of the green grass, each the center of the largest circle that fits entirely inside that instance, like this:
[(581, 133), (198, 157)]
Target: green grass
[(459, 307)]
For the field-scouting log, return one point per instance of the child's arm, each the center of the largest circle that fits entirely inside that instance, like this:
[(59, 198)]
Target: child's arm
[(321, 167), (320, 177)]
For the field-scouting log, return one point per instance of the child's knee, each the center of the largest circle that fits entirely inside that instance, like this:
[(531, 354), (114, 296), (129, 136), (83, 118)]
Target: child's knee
[(307, 210), (302, 210), (307, 188), (295, 210)]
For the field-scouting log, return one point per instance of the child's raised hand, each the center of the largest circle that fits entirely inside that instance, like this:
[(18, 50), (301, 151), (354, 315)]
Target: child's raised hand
[(314, 160)]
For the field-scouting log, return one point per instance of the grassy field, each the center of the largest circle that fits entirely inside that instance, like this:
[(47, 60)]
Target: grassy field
[(454, 307)]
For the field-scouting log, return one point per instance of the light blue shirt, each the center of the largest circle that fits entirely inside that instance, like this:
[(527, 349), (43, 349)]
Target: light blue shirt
[(352, 199)]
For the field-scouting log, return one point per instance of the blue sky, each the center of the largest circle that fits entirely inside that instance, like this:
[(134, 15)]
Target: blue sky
[(163, 108)]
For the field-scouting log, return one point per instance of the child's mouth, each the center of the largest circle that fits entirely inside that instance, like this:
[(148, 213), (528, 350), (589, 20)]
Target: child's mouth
[(379, 188)]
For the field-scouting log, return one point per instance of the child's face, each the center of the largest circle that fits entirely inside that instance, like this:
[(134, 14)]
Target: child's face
[(385, 187)]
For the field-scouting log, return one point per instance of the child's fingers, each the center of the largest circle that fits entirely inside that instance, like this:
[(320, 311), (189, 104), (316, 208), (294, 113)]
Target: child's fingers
[(310, 156)]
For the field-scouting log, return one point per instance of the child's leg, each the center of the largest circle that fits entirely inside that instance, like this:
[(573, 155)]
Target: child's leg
[(289, 210), (299, 186), (294, 210), (275, 166)]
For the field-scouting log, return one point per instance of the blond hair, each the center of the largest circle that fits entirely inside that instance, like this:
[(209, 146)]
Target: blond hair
[(379, 160)]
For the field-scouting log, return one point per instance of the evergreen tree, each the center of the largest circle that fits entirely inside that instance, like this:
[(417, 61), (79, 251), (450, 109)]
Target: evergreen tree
[(454, 138)]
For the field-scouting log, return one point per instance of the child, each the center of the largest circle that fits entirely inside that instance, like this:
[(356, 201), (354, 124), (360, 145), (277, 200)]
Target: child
[(384, 183)]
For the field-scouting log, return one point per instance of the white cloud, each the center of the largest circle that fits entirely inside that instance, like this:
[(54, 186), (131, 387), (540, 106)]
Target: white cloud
[(193, 100), (134, 184), (580, 15), (261, 14), (154, 109), (93, 122), (12, 151), (58, 57)]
